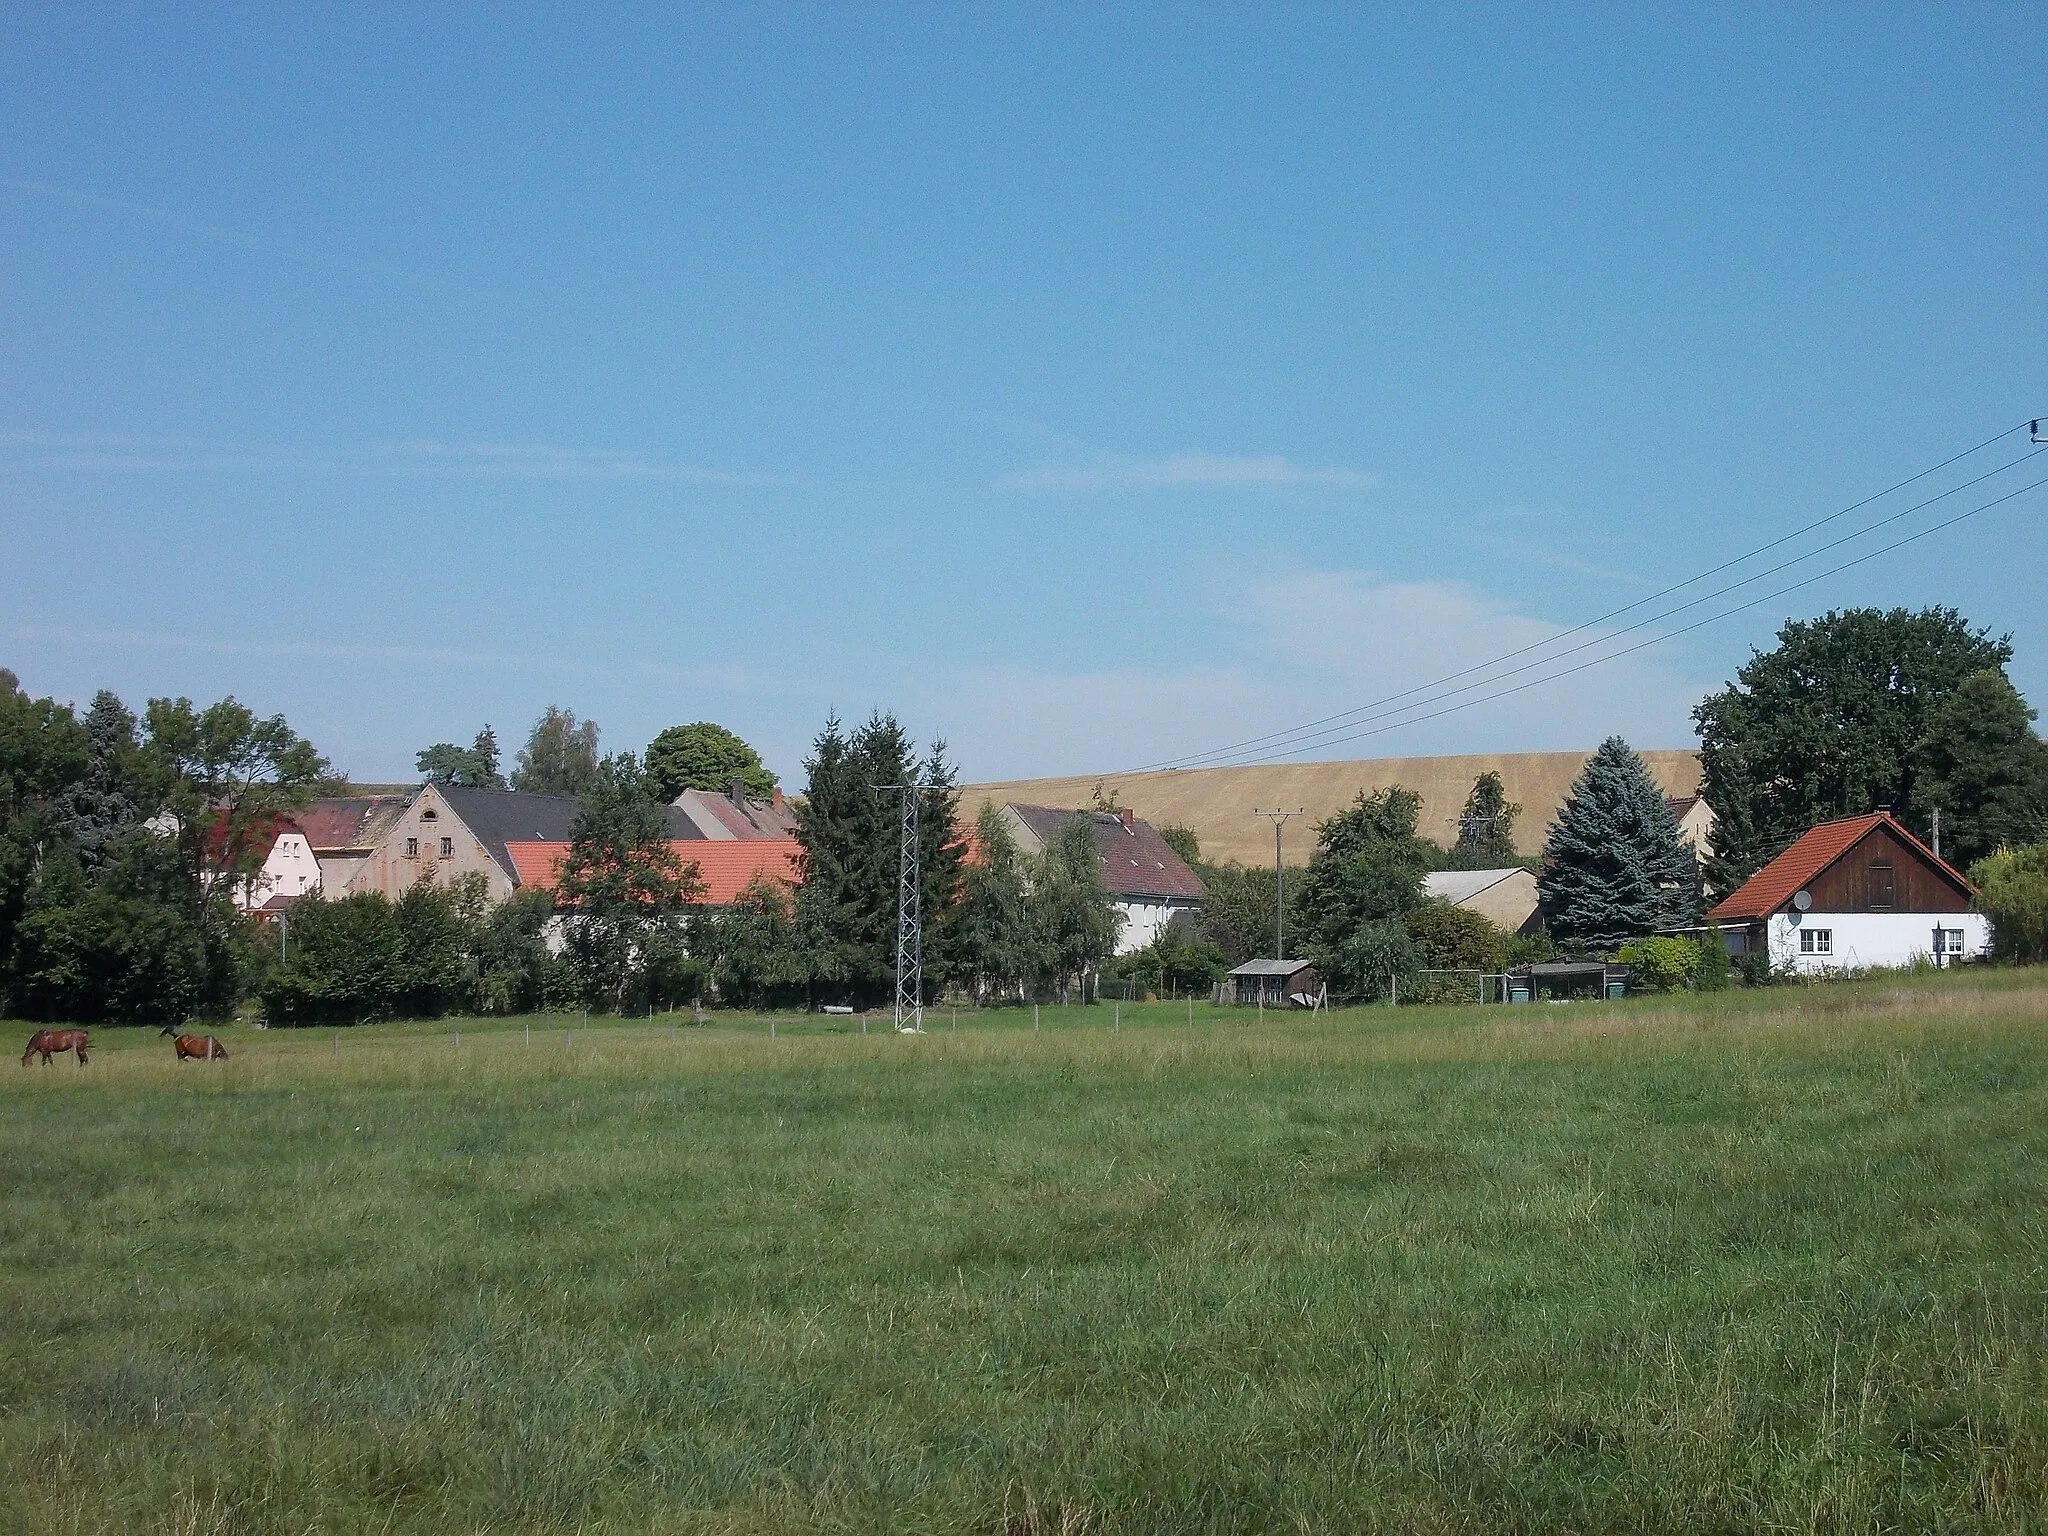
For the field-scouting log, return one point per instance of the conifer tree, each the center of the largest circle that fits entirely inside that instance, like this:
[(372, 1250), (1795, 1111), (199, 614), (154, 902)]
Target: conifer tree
[(1614, 867), (108, 800), (850, 828), (1073, 920), (991, 936)]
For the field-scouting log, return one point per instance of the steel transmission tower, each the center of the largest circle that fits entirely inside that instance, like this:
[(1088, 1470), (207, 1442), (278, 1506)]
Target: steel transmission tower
[(910, 914)]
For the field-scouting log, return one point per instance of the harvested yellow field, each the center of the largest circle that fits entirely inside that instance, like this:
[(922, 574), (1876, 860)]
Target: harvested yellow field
[(1218, 802)]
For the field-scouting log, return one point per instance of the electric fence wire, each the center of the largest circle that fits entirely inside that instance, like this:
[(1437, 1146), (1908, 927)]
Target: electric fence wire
[(1659, 639), (1289, 742)]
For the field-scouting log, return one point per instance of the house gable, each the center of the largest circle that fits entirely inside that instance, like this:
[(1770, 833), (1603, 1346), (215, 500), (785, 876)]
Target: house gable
[(1859, 864)]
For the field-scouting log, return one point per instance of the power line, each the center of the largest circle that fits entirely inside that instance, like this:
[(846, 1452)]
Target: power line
[(1199, 758), (1296, 740), (1672, 634)]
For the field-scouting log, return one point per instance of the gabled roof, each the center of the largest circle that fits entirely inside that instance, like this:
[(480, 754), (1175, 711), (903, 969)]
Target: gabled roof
[(1461, 885), (725, 867), (1136, 860), (499, 817), (1771, 887), (721, 817), (349, 821)]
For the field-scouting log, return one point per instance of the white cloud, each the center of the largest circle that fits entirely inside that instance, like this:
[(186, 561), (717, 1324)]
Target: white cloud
[(1315, 644), (1114, 472), (524, 461)]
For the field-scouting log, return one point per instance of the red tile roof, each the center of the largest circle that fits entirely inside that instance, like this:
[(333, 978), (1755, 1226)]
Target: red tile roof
[(725, 868), (1771, 887)]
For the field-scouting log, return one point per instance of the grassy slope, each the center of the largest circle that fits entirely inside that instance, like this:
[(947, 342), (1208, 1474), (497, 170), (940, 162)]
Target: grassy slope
[(1768, 1260)]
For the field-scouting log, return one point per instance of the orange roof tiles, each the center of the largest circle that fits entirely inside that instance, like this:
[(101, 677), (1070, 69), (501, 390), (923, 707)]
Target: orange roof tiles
[(725, 868), (1774, 885)]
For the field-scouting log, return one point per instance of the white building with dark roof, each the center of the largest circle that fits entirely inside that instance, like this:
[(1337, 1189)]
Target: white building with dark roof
[(1150, 883)]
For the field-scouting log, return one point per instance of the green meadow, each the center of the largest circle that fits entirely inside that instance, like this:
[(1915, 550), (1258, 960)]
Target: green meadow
[(1769, 1260)]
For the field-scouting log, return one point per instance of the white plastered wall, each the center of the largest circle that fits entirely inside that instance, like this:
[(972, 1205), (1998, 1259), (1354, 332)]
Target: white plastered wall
[(1861, 941), (289, 869)]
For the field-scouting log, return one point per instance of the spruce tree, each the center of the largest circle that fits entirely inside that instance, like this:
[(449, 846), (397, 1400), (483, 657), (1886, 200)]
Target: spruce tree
[(107, 801), (850, 828), (1614, 867)]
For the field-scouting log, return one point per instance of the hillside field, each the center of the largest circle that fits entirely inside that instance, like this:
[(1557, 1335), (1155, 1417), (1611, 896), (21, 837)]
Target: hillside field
[(1759, 1261)]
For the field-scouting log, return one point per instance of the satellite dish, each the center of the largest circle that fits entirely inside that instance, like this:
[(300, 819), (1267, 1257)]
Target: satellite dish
[(1803, 900)]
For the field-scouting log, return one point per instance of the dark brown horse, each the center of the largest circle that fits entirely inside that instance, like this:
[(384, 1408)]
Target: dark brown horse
[(196, 1047), (55, 1042)]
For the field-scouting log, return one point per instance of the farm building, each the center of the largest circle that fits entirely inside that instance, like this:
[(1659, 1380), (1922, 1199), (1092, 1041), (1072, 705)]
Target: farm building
[(737, 815), (724, 867), (1147, 880), (1504, 897), (344, 830), (1851, 895), (445, 833)]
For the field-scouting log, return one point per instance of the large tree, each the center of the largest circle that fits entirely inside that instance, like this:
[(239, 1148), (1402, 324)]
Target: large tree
[(1073, 920), (705, 756), (560, 755), (43, 756), (1981, 765), (1368, 866), (850, 827), (1615, 868), (992, 939), (1486, 830), (472, 767), (625, 886), (1363, 879), (1829, 724)]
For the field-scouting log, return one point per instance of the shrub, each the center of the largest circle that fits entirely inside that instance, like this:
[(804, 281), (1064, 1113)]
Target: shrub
[(1455, 938), (2013, 889), (1662, 964), (1715, 963)]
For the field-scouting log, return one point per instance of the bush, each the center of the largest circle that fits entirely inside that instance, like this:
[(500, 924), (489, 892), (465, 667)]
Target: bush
[(1661, 964), (1715, 963), (1369, 961), (2013, 888), (1456, 939)]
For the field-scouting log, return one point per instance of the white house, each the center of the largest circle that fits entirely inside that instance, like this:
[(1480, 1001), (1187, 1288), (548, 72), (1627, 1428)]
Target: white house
[(289, 870), (1855, 894), (1147, 880)]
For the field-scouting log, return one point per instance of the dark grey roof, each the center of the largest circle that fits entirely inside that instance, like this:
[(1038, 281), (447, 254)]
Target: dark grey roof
[(1136, 860), (501, 816)]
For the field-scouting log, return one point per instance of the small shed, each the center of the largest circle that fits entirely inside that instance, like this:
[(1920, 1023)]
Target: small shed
[(1275, 983), (1567, 978)]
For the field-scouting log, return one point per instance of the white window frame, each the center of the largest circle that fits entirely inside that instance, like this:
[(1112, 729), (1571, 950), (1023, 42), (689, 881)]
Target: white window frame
[(1816, 941)]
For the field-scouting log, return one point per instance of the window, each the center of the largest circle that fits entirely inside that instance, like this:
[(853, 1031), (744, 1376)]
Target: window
[(1816, 941), (1879, 889), (430, 814), (1948, 941), (412, 847), (447, 847)]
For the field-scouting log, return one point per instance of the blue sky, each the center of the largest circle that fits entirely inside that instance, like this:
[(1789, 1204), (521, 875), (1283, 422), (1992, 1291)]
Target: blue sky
[(1086, 387)]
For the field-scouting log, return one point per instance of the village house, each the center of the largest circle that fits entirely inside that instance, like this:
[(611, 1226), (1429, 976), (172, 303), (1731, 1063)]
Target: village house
[(1504, 897), (1695, 821), (445, 833), (737, 815), (724, 869), (1851, 895), (343, 831), (1148, 882)]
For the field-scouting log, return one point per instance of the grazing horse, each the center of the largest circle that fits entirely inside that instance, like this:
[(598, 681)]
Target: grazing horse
[(55, 1042), (196, 1047)]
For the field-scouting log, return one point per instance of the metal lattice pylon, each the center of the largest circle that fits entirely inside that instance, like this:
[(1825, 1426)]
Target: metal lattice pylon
[(910, 916)]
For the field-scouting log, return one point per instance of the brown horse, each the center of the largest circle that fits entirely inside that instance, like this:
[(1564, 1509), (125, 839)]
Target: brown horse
[(55, 1042), (196, 1047)]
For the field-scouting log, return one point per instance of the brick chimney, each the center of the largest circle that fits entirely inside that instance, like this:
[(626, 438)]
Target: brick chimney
[(1124, 814), (775, 797)]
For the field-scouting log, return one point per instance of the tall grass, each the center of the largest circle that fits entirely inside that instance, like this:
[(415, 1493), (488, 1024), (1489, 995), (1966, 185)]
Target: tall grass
[(1763, 1261)]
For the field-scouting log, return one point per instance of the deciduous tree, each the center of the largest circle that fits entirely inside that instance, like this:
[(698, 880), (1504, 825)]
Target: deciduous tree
[(1830, 724), (622, 881), (704, 756), (560, 755), (1981, 765)]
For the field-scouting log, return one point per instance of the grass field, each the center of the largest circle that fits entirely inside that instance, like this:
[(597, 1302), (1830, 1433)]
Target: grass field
[(1760, 1261)]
